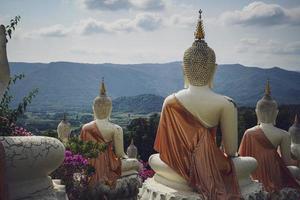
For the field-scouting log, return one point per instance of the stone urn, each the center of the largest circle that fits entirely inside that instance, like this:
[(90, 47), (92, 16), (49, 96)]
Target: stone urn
[(28, 162)]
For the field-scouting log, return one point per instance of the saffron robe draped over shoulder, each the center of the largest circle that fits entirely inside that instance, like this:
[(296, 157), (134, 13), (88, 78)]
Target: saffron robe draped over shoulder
[(107, 165), (190, 149), (271, 171)]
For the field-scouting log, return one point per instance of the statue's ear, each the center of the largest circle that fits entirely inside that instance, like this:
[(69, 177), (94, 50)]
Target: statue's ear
[(275, 117), (211, 79), (186, 81), (256, 112)]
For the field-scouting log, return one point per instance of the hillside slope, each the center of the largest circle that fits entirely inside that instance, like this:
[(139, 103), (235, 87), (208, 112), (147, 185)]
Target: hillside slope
[(65, 85)]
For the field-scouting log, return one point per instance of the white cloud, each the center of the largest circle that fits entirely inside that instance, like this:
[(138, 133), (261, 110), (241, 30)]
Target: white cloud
[(182, 21), (148, 22), (268, 47), (141, 22), (148, 4), (57, 30), (113, 5), (144, 21), (90, 26), (262, 14)]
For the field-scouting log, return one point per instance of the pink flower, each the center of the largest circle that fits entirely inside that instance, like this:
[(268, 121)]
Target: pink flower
[(146, 171), (20, 131)]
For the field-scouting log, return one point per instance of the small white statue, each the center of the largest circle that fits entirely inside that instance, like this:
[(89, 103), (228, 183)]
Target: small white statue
[(64, 129), (132, 150)]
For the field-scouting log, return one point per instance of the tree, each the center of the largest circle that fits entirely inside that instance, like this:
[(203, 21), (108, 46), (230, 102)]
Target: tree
[(11, 27), (143, 132)]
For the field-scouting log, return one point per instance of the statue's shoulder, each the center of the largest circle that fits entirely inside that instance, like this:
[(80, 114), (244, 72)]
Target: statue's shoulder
[(168, 99), (229, 101), (88, 126), (117, 128), (250, 131), (284, 133)]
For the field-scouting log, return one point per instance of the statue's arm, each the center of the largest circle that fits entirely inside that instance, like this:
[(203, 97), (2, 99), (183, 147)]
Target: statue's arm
[(4, 67), (285, 149), (119, 143), (229, 128)]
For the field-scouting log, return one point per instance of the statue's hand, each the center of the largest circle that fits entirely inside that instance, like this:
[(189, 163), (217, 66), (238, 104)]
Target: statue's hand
[(2, 36), (234, 156), (124, 157)]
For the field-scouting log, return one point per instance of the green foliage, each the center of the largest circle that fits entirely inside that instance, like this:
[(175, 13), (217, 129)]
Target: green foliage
[(86, 149), (11, 27), (143, 132), (10, 115), (50, 133), (86, 118)]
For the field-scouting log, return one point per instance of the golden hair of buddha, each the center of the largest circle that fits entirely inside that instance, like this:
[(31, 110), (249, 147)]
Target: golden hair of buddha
[(102, 104), (199, 61)]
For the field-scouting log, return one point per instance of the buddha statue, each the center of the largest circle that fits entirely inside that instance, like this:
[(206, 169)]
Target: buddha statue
[(294, 131), (189, 158), (64, 129), (132, 151), (4, 67), (113, 163), (263, 141)]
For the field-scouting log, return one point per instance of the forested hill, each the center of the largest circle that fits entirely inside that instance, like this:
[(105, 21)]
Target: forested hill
[(65, 85), (143, 104)]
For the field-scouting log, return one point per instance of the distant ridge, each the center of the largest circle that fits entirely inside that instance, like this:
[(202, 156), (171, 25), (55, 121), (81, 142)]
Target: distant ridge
[(69, 86), (142, 104)]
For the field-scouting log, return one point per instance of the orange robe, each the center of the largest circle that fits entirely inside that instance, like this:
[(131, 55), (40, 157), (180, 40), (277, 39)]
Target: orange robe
[(107, 165), (271, 170), (190, 149)]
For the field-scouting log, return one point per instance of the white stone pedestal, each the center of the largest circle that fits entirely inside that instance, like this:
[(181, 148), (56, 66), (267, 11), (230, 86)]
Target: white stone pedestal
[(153, 190), (127, 188)]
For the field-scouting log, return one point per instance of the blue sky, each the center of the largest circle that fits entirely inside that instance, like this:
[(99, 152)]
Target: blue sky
[(253, 33)]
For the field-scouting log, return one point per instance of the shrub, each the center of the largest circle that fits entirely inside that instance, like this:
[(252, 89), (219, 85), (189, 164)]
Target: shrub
[(8, 115)]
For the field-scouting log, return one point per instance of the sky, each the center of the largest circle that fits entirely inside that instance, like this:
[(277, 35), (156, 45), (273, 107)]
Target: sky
[(253, 33)]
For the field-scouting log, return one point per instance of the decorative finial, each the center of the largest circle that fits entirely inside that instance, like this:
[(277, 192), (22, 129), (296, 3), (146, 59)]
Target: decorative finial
[(296, 119), (103, 89), (268, 88), (65, 117), (199, 33), (200, 14)]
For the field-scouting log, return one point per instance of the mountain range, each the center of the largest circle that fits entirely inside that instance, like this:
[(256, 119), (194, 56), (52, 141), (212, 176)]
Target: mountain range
[(66, 85)]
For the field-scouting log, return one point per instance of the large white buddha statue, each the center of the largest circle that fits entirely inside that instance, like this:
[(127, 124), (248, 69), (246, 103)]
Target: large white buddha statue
[(113, 163), (271, 147), (4, 67), (189, 158)]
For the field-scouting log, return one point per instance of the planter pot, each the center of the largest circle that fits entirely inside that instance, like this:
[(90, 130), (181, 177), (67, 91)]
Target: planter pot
[(28, 162)]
